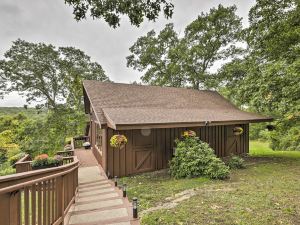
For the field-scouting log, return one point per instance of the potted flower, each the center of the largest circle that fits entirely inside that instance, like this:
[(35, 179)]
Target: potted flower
[(189, 133), (238, 131), (59, 159), (118, 141), (86, 145), (43, 161)]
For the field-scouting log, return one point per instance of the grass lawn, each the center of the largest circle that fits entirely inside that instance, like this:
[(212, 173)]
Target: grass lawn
[(266, 192)]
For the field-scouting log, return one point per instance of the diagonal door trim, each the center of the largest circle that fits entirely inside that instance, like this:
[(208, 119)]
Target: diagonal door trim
[(143, 160)]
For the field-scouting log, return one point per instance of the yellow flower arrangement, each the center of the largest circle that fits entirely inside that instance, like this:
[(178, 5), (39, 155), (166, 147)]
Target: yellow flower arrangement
[(118, 140), (238, 131), (189, 133)]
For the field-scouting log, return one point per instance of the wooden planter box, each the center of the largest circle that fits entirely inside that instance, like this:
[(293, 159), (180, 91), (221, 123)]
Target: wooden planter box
[(44, 167)]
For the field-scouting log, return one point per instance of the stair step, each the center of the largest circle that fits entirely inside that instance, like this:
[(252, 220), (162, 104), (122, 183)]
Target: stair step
[(98, 197), (94, 184), (96, 192), (120, 223), (93, 188), (101, 216), (98, 205)]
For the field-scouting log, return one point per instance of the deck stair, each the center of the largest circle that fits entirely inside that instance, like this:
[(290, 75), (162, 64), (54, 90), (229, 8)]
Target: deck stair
[(98, 201)]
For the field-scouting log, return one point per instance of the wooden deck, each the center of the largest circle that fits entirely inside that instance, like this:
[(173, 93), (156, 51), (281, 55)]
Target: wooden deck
[(97, 201)]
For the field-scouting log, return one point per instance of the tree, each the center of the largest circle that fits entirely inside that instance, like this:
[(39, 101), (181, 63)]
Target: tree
[(267, 79), (173, 61), (153, 54), (53, 77), (48, 75), (274, 29), (112, 10)]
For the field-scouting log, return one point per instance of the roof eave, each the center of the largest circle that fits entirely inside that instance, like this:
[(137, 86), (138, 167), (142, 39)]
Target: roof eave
[(183, 124)]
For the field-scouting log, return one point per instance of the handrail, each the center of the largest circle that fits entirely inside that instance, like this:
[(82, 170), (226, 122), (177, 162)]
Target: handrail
[(18, 186), (38, 197), (25, 175), (38, 172)]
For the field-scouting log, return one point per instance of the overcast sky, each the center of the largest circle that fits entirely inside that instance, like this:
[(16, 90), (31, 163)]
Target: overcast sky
[(51, 21)]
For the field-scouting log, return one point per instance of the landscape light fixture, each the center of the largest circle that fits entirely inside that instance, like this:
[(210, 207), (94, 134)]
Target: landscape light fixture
[(124, 188), (135, 207), (116, 181)]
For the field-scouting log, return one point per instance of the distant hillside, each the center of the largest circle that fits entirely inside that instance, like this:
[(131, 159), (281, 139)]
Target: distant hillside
[(29, 112)]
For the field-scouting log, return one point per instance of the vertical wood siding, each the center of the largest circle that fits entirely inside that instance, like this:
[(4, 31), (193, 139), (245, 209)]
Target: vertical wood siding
[(120, 162)]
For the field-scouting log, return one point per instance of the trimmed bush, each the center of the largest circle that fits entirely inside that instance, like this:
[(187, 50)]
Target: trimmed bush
[(195, 158), (236, 162)]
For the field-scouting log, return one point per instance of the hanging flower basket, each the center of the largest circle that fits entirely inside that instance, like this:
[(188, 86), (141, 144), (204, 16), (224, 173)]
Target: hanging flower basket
[(118, 141), (189, 133), (238, 131)]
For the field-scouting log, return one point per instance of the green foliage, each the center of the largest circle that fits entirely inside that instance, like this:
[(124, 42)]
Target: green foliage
[(195, 158), (287, 133), (112, 10), (173, 61), (258, 131), (267, 79), (274, 29), (26, 112), (12, 160), (52, 76), (236, 162), (3, 155), (7, 171), (44, 73), (216, 169)]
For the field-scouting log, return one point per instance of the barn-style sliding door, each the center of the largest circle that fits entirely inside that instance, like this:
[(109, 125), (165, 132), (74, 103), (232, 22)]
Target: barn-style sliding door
[(143, 142)]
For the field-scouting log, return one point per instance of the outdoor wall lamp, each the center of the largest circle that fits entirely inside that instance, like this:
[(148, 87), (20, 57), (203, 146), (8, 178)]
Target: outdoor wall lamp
[(116, 181), (135, 207), (124, 190)]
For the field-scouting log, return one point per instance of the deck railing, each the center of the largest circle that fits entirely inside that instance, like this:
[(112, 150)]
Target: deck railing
[(38, 197), (78, 141), (24, 164)]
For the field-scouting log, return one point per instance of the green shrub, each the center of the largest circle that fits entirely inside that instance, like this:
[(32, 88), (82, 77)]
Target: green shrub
[(216, 169), (12, 160), (7, 171), (3, 155), (195, 158), (236, 162)]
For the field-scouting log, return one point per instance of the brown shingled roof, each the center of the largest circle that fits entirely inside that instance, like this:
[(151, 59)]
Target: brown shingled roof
[(127, 104)]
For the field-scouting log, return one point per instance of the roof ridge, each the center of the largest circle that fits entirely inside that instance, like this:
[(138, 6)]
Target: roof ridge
[(148, 85)]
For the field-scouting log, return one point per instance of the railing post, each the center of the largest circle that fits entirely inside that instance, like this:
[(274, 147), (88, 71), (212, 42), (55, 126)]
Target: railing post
[(60, 198), (63, 199), (10, 201)]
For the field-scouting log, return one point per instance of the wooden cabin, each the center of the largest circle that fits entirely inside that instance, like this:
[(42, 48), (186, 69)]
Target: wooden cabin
[(152, 117)]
